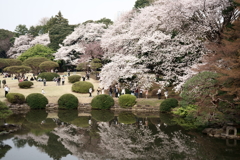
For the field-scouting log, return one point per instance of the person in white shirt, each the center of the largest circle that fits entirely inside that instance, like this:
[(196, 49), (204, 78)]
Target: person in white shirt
[(159, 93), (6, 89), (90, 92), (43, 92)]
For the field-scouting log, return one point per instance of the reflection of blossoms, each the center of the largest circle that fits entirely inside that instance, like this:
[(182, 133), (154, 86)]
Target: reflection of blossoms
[(128, 142), (40, 140)]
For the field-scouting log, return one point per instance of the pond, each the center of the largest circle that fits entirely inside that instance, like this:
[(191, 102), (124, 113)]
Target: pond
[(104, 135)]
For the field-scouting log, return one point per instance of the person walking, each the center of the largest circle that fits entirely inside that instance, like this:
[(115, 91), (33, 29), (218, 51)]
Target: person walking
[(44, 82), (159, 93), (6, 89), (63, 80), (90, 92)]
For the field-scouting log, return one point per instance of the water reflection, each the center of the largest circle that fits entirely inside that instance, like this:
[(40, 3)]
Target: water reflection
[(108, 135)]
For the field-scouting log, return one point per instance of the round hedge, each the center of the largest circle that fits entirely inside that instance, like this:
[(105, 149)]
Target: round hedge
[(127, 101), (126, 118), (67, 115), (68, 101), (82, 87), (74, 78), (48, 75), (16, 98), (34, 116), (168, 104), (25, 84), (102, 101), (102, 115), (81, 122), (36, 101)]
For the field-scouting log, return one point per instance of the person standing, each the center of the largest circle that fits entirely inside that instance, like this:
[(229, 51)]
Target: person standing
[(63, 80), (98, 90), (58, 81), (68, 72), (166, 94), (136, 92), (110, 91), (102, 90), (90, 92), (43, 92), (44, 81), (123, 91), (6, 89), (159, 93), (140, 93), (146, 94)]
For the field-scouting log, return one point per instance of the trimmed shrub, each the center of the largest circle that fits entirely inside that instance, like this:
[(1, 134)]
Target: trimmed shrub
[(126, 118), (102, 115), (81, 122), (168, 104), (82, 87), (36, 101), (127, 101), (68, 101), (48, 75), (67, 115), (25, 84), (74, 78), (102, 101), (17, 98), (4, 110), (34, 116)]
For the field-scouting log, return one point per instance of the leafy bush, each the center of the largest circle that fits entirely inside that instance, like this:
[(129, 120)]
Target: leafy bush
[(74, 78), (4, 110), (167, 104), (102, 101), (15, 98), (48, 75), (185, 110), (82, 87), (102, 115), (67, 115), (36, 101), (127, 101), (34, 116), (25, 84), (68, 101), (127, 118)]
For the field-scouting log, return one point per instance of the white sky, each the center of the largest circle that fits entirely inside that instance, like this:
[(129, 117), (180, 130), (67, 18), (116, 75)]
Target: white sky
[(29, 12)]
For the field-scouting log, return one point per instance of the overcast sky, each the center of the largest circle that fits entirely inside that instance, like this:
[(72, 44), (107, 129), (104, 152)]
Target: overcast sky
[(29, 12)]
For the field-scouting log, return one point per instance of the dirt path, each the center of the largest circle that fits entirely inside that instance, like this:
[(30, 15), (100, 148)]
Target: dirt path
[(52, 91)]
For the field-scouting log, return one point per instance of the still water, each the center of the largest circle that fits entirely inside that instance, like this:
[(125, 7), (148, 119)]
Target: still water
[(104, 135)]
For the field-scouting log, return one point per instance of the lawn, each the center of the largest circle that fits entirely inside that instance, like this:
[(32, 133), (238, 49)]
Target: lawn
[(53, 92)]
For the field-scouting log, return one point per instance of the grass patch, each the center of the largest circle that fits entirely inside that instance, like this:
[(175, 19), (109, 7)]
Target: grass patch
[(151, 102)]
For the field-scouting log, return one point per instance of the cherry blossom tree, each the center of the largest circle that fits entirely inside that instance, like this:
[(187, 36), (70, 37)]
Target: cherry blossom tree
[(169, 36), (124, 68), (84, 40), (24, 42), (41, 39), (21, 44)]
